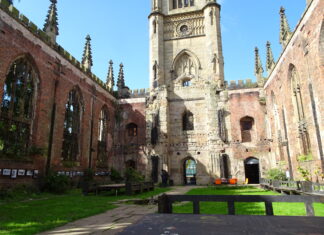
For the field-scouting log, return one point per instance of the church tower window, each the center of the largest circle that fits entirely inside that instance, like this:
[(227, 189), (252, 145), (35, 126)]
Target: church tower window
[(182, 3), (185, 66), (179, 3), (188, 121), (186, 83), (174, 4)]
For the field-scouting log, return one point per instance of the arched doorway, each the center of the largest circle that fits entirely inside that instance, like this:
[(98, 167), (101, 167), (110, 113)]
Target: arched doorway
[(252, 170), (189, 171)]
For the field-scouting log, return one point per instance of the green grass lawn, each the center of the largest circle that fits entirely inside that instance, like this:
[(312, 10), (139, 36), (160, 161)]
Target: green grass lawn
[(297, 209), (46, 211)]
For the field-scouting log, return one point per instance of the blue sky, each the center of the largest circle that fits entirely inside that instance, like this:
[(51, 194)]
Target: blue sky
[(119, 31)]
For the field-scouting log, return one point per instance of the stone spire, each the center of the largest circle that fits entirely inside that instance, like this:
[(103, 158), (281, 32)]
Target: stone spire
[(270, 60), (285, 32), (258, 68), (87, 54), (110, 78), (51, 22), (121, 81)]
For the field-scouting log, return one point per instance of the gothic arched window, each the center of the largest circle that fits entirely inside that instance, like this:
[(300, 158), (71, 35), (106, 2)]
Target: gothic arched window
[(174, 4), (131, 129), (299, 109), (187, 121), (72, 126), (102, 136), (246, 124), (185, 66), (17, 108), (182, 3)]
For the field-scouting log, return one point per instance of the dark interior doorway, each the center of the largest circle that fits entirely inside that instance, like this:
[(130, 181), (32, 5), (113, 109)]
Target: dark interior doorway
[(224, 166), (131, 164), (252, 170), (189, 171), (155, 168)]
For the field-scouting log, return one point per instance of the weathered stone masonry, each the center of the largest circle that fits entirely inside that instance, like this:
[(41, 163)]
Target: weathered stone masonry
[(190, 118)]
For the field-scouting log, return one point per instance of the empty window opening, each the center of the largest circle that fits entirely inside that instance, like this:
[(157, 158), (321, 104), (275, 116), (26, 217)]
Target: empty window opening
[(182, 3), (246, 124), (188, 121), (102, 156), (70, 148), (132, 129), (17, 108)]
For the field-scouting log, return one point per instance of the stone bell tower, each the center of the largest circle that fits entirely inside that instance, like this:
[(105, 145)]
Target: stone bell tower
[(186, 79)]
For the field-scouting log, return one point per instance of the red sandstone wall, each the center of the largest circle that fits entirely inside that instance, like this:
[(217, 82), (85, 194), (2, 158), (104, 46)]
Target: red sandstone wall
[(306, 52), (17, 41), (126, 147)]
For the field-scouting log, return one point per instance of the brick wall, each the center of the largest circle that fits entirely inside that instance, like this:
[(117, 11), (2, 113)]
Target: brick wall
[(305, 53), (16, 41)]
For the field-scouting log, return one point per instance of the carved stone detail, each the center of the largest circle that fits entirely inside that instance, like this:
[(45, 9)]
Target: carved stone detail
[(174, 24), (185, 66)]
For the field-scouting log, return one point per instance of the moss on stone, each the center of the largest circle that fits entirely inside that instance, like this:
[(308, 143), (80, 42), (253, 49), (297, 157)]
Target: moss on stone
[(14, 12), (33, 27), (23, 19), (4, 4)]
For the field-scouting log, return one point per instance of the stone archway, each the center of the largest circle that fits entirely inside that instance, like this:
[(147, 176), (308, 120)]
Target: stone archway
[(189, 171), (252, 170)]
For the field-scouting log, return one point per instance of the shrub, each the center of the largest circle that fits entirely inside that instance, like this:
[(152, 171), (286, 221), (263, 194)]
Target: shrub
[(305, 157), (276, 174), (305, 174), (54, 183), (132, 175), (18, 192), (115, 176)]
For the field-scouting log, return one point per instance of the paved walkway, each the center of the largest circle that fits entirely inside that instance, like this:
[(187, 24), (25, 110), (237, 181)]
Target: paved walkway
[(112, 221)]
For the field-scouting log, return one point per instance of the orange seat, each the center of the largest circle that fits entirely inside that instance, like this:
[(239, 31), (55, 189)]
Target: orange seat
[(218, 181), (233, 181)]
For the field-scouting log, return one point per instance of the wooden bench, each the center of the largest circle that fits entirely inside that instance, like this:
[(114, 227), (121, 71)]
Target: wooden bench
[(165, 202), (133, 188)]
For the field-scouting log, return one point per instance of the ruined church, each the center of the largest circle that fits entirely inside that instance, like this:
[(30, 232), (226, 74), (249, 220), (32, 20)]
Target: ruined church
[(56, 115)]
